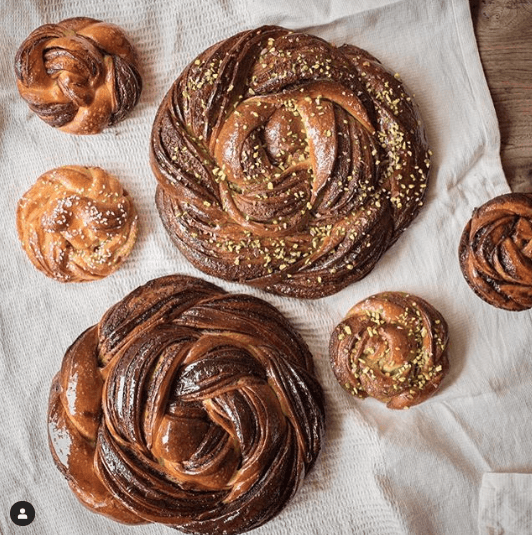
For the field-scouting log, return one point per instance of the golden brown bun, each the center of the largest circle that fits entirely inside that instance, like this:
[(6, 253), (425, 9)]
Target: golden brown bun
[(286, 163), (391, 346), (76, 223), (79, 75), (187, 406), (495, 251)]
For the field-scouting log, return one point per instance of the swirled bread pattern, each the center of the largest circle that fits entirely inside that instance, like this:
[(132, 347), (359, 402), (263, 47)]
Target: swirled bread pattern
[(391, 346), (187, 406), (495, 251), (79, 75), (77, 224), (287, 163)]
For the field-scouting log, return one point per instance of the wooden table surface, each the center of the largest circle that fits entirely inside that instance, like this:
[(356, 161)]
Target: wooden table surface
[(504, 35)]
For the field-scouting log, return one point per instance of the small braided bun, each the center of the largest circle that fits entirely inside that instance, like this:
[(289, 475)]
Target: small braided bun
[(495, 251), (77, 223), (391, 346), (79, 75)]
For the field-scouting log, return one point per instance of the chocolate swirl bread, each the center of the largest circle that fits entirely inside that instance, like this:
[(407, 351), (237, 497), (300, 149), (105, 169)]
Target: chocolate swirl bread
[(495, 251), (391, 346), (77, 224), (287, 163), (187, 406), (79, 75)]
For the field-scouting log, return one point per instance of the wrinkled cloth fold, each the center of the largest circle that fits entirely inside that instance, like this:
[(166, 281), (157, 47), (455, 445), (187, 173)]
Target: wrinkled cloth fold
[(380, 472)]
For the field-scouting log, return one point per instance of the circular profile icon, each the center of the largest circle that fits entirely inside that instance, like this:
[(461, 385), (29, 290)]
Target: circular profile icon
[(22, 513)]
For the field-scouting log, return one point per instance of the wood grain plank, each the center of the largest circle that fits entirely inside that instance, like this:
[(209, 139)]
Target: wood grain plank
[(504, 35)]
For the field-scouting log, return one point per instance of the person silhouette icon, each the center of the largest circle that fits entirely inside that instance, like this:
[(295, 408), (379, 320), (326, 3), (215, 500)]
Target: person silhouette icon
[(22, 513)]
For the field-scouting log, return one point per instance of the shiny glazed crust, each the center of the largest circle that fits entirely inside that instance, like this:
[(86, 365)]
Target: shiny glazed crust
[(187, 406), (76, 223), (79, 75), (495, 251), (393, 347), (287, 163)]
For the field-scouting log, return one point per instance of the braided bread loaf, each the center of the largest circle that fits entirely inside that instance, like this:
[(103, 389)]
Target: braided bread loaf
[(286, 163), (79, 75), (187, 406)]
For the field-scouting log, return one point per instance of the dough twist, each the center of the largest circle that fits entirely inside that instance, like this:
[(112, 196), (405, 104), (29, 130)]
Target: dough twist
[(77, 224), (188, 406), (392, 346), (495, 251), (79, 75), (286, 163)]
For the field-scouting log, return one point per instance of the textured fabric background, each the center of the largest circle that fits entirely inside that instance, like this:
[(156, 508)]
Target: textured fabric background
[(413, 472)]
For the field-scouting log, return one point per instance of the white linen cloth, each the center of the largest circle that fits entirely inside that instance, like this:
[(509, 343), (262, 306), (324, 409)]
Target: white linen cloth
[(381, 472), (505, 504)]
